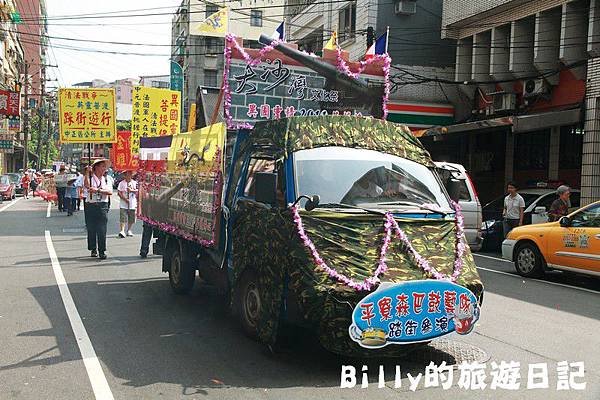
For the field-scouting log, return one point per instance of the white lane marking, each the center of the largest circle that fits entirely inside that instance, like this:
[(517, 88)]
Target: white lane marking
[(48, 210), (10, 204), (492, 258), (92, 365), (539, 280)]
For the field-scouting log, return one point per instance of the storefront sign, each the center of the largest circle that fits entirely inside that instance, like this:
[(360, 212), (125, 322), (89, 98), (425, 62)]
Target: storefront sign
[(87, 115), (155, 112), (9, 103), (412, 312)]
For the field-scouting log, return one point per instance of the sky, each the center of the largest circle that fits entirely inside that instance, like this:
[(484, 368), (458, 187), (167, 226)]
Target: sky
[(78, 66)]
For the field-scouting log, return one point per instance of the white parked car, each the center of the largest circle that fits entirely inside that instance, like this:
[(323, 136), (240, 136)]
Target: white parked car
[(468, 201)]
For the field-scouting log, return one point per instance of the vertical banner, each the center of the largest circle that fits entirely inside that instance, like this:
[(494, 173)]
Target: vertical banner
[(155, 112), (87, 115), (121, 156)]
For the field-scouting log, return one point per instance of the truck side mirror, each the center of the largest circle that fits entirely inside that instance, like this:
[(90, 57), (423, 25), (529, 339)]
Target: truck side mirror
[(565, 222), (453, 187), (265, 187)]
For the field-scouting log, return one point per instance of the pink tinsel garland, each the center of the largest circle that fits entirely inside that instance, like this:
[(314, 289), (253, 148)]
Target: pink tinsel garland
[(390, 225), (342, 66)]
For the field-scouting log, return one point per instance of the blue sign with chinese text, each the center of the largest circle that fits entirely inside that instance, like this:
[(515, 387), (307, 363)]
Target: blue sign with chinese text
[(412, 312)]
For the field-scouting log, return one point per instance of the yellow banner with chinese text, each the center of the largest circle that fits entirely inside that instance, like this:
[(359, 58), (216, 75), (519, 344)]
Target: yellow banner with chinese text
[(155, 112), (87, 115)]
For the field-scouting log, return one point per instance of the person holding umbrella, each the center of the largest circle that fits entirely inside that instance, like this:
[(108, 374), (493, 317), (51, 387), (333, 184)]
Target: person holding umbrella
[(97, 204)]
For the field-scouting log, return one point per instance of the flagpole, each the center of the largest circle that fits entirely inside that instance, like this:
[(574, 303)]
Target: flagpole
[(387, 39)]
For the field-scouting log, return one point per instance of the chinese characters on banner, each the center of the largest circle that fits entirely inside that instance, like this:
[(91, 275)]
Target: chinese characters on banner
[(282, 86), (155, 112), (121, 157), (87, 115), (9, 103), (412, 312)]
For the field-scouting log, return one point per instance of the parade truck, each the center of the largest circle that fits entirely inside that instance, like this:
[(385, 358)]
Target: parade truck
[(336, 223)]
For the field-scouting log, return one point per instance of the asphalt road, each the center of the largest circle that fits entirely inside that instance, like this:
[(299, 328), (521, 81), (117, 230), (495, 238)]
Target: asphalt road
[(142, 342)]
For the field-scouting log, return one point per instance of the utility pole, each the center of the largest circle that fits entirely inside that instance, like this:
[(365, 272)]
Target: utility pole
[(49, 136), (26, 119), (40, 119)]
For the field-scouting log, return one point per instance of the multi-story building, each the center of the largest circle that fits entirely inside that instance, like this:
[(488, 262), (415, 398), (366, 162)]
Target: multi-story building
[(32, 32), (201, 57), (414, 44), (12, 55), (530, 72), (155, 81)]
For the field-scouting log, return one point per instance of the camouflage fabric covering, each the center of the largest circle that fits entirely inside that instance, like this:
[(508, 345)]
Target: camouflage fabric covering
[(297, 133), (267, 240)]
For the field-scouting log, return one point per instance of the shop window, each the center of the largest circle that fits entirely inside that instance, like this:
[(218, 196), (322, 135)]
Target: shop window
[(211, 9), (256, 18), (571, 145), (210, 78), (532, 150), (347, 22)]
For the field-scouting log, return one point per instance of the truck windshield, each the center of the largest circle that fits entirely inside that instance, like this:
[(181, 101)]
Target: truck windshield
[(365, 178)]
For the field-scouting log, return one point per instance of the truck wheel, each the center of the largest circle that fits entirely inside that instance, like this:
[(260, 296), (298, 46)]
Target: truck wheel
[(528, 261), (249, 303), (181, 273)]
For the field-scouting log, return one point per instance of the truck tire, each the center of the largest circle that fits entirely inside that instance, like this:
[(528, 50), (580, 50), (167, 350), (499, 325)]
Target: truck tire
[(529, 262), (182, 273), (248, 303)]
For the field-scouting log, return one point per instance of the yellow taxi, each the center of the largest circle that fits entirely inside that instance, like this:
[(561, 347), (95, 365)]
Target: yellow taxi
[(570, 244)]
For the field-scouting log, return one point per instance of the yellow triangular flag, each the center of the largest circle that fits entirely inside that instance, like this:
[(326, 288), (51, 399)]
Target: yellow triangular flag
[(215, 25), (332, 43)]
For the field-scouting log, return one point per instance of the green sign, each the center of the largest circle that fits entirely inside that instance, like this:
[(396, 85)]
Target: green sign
[(176, 77)]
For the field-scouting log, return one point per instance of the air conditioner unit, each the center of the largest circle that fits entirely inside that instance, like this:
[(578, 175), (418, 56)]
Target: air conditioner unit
[(504, 102), (534, 87), (405, 7)]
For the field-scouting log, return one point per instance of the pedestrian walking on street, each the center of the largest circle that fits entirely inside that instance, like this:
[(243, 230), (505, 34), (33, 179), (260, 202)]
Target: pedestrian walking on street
[(71, 195), (560, 207), (25, 181), (514, 207), (61, 187), (97, 207), (128, 203), (34, 183), (147, 233)]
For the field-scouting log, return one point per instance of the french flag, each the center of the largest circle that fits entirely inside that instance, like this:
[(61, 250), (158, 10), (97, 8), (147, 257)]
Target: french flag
[(379, 47), (279, 33)]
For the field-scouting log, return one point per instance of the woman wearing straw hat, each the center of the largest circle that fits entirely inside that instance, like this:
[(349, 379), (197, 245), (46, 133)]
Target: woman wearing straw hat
[(97, 204)]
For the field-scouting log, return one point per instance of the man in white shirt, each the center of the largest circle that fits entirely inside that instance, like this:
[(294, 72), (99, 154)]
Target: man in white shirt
[(128, 203), (514, 206), (97, 207)]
